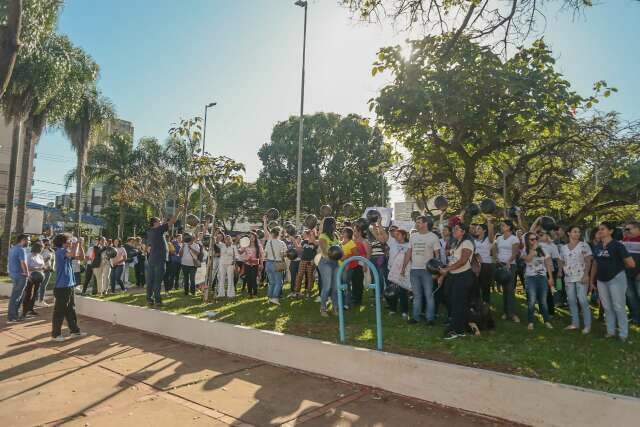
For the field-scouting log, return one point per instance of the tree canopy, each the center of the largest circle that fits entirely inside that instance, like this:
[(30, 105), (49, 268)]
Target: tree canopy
[(344, 160)]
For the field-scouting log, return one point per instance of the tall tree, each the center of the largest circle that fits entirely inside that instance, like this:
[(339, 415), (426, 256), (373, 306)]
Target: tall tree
[(24, 24), (81, 128), (344, 160), (113, 163), (238, 202), (499, 23), (455, 108)]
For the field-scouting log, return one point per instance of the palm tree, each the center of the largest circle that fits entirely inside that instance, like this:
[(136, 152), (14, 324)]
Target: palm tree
[(114, 163), (9, 42), (82, 129)]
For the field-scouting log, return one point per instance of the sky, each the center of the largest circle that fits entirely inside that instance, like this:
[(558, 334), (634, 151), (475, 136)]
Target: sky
[(163, 60)]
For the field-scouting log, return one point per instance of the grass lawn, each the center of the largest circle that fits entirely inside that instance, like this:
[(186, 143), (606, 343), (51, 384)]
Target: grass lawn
[(555, 355)]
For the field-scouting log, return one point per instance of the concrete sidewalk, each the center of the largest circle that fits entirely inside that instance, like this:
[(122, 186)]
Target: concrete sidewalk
[(117, 375)]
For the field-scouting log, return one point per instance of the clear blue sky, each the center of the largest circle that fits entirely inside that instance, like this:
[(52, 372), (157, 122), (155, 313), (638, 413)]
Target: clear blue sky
[(162, 60)]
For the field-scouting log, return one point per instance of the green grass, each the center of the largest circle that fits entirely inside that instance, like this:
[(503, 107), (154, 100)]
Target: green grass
[(554, 355)]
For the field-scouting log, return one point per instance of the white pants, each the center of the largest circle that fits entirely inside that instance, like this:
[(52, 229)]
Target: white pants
[(226, 274), (102, 274)]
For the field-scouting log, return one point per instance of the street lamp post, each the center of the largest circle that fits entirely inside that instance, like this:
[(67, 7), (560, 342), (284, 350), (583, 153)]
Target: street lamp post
[(204, 136), (301, 131)]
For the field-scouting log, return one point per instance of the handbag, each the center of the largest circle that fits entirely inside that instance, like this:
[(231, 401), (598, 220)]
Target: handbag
[(280, 266), (196, 259)]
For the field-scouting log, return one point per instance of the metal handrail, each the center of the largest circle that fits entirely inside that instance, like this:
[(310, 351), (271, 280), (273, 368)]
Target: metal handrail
[(375, 285)]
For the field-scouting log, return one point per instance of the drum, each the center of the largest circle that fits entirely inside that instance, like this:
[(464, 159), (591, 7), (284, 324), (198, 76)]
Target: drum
[(245, 242)]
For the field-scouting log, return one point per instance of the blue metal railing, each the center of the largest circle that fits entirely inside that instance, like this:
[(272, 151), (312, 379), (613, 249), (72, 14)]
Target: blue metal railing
[(375, 285)]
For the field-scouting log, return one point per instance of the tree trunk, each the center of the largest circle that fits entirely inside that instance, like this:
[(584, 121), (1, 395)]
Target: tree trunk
[(9, 43), (82, 161), (11, 187), (21, 206), (121, 220)]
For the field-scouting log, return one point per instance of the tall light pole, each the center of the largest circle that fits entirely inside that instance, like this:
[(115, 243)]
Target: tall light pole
[(204, 138), (299, 180)]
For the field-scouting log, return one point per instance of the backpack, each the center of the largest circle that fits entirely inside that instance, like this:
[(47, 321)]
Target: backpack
[(97, 257)]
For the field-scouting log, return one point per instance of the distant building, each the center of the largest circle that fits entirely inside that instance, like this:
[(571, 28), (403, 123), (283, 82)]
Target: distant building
[(119, 126)]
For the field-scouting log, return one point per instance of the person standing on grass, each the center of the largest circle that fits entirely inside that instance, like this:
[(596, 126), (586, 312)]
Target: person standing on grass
[(328, 267), (631, 241), (226, 269), (538, 278), (307, 267), (612, 258), (118, 263), (190, 261), (157, 258), (398, 246), (460, 277), (508, 249), (483, 241), (19, 272), (575, 264), (140, 262), (48, 257), (274, 250), (423, 246), (35, 262), (358, 269), (253, 258), (64, 306)]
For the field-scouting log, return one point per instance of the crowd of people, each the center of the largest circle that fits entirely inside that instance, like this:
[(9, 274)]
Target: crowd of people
[(441, 271)]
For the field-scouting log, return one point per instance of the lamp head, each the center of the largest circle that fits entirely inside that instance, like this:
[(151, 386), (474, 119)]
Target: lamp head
[(301, 3), (212, 104)]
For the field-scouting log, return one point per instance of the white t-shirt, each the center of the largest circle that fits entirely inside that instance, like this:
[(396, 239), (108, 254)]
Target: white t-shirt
[(423, 247), (505, 248), (238, 255), (443, 251), (189, 255), (274, 249), (573, 260), (551, 249), (483, 248), (456, 254), (226, 254), (537, 266), (35, 262), (47, 256)]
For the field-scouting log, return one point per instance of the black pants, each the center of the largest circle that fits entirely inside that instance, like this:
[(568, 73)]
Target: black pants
[(459, 284), (400, 303), (485, 281), (357, 285), (293, 271), (64, 308), (88, 275), (169, 275), (251, 275), (189, 279), (176, 277), (29, 296), (139, 269)]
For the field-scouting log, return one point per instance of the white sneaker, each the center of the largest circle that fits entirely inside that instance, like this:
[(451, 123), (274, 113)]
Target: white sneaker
[(59, 338), (318, 299), (586, 331), (78, 335), (275, 301), (43, 304)]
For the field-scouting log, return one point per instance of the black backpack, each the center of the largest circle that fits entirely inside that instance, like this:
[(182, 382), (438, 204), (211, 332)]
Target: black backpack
[(97, 257)]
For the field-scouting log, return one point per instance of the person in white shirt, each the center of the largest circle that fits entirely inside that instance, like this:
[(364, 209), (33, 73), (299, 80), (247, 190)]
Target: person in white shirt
[(48, 256), (460, 277), (575, 264), (423, 246), (36, 265), (189, 260), (538, 278), (274, 251), (508, 248), (484, 243), (226, 269)]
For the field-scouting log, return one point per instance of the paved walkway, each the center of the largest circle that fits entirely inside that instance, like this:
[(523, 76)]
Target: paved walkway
[(120, 376)]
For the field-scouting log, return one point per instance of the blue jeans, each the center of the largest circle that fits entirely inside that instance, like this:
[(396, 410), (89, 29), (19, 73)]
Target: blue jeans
[(328, 269), (536, 292), (116, 277), (633, 297), (612, 295), (275, 280), (17, 293), (577, 293), (43, 285), (155, 274), (422, 288)]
